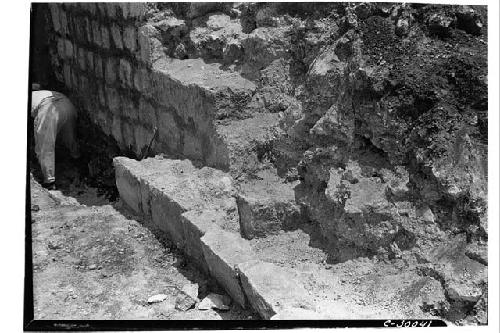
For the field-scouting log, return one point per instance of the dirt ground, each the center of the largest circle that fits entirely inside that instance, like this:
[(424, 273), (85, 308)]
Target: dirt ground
[(101, 262)]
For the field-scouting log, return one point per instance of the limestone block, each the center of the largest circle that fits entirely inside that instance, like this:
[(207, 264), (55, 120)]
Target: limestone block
[(168, 129), (105, 37), (142, 137), (60, 45), (54, 15), (141, 80), (82, 59), (130, 38), (223, 251), (125, 73), (68, 49), (116, 130), (136, 10), (150, 48), (147, 114), (266, 206), (110, 70), (67, 75), (192, 145), (63, 21), (113, 100), (166, 215), (96, 33), (98, 66), (90, 61), (196, 224), (270, 289), (111, 9), (101, 93), (116, 36), (75, 80), (88, 30), (128, 109), (92, 8), (128, 134), (128, 186)]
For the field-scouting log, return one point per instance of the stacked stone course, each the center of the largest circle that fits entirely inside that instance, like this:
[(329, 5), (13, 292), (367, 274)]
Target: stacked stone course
[(104, 54)]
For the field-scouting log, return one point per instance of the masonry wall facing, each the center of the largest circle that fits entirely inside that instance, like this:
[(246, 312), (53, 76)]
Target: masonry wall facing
[(104, 53)]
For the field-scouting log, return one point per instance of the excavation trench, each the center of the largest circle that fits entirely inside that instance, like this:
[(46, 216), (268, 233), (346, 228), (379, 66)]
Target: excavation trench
[(95, 259), (313, 149)]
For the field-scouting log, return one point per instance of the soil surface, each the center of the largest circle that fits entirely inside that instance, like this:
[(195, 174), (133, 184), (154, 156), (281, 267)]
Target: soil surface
[(101, 262)]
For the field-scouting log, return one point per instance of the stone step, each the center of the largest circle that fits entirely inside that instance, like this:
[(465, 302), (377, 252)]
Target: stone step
[(247, 141), (196, 208), (267, 205)]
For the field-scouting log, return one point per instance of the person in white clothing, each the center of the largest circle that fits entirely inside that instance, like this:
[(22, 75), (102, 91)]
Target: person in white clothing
[(54, 117)]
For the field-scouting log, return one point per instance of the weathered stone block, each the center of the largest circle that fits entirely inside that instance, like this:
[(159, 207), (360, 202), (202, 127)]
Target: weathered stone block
[(98, 66), (142, 138), (110, 70), (113, 100), (54, 15), (128, 109), (63, 21), (116, 36), (192, 145), (75, 79), (128, 134), (130, 38), (67, 75), (111, 9), (92, 8), (147, 114), (150, 48), (125, 73), (68, 49), (60, 45), (141, 80), (128, 186), (101, 94), (166, 215), (96, 33), (270, 289), (223, 251), (82, 59), (266, 206), (136, 10), (168, 129), (88, 30), (104, 120), (116, 130), (196, 224), (90, 61), (105, 37), (83, 86)]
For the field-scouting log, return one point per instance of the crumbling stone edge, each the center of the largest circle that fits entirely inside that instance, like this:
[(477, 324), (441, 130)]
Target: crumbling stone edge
[(272, 291)]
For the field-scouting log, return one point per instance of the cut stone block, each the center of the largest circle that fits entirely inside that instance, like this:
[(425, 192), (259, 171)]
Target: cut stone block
[(270, 289), (166, 215), (222, 252), (266, 206), (196, 225), (129, 187)]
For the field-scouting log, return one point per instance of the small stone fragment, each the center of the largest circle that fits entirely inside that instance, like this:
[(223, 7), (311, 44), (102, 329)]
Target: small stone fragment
[(157, 298), (184, 302), (215, 301), (191, 290)]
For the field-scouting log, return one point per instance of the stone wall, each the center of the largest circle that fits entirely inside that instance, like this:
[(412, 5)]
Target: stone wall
[(104, 54)]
